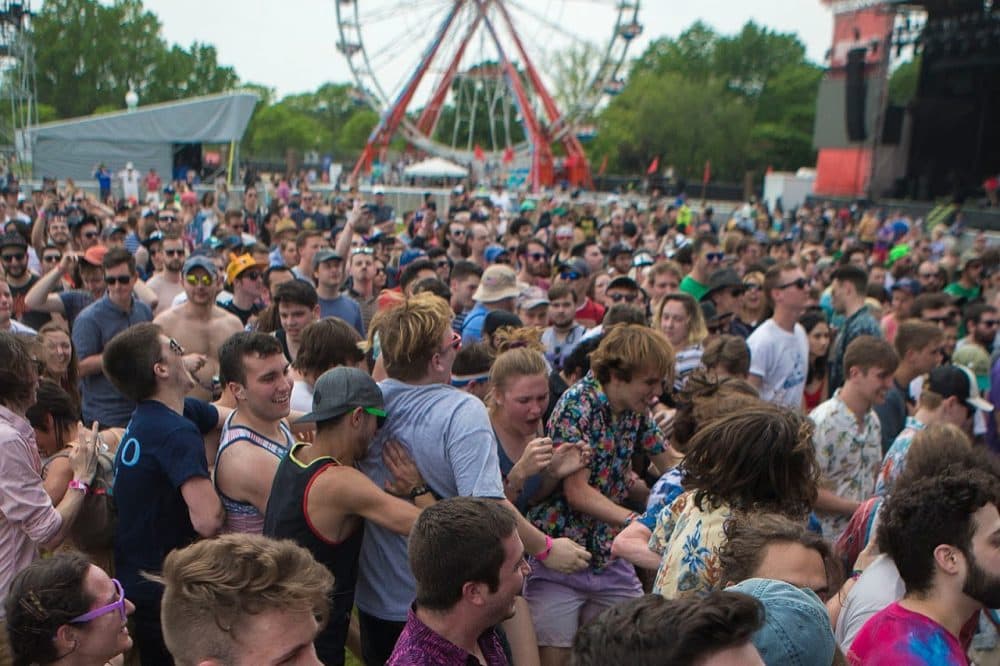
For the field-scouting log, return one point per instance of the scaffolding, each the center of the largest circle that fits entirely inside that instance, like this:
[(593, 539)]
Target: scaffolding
[(17, 76)]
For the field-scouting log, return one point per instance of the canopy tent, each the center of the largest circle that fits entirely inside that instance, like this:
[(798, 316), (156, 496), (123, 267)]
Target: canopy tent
[(435, 167), (148, 136)]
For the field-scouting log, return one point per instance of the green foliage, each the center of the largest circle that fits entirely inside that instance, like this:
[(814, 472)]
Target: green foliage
[(903, 82), (744, 101), (90, 53)]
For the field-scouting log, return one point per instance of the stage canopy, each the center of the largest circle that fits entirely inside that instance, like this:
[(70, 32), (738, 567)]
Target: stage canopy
[(435, 167)]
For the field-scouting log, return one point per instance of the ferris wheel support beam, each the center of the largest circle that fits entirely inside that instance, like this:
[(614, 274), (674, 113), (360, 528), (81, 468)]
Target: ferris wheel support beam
[(541, 151), (580, 170), (432, 112), (389, 123)]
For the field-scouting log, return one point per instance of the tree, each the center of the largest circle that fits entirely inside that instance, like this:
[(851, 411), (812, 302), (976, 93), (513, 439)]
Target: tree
[(572, 71), (93, 53), (903, 82), (280, 128)]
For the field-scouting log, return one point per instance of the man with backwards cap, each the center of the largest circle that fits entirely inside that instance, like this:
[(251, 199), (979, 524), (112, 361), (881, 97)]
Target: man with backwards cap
[(198, 324), (319, 500)]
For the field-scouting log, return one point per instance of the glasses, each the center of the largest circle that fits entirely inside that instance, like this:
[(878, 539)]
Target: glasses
[(798, 283), (570, 276), (175, 347), (174, 253), (512, 249), (441, 263), (362, 250), (946, 319), (456, 342), (989, 323), (251, 275), (90, 234), (118, 605), (194, 280), (119, 279), (536, 256), (458, 232), (17, 256), (51, 258), (168, 218), (751, 286), (928, 276), (713, 257), (627, 298)]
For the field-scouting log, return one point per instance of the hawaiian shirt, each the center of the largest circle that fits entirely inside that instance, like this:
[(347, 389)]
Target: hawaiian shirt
[(848, 456), (895, 457), (688, 539), (419, 645), (860, 323), (583, 414)]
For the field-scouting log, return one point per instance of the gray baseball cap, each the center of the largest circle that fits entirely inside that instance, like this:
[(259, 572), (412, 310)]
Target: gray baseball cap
[(342, 389), (199, 261), (326, 254)]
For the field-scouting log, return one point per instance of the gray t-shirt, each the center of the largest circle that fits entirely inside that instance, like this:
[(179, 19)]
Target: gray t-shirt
[(449, 436), (879, 586)]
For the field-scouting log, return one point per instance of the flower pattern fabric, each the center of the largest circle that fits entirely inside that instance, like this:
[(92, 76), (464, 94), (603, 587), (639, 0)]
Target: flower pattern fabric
[(849, 455), (895, 457), (583, 414), (687, 539)]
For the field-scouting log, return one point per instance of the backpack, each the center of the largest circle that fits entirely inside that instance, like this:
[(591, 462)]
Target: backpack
[(94, 528)]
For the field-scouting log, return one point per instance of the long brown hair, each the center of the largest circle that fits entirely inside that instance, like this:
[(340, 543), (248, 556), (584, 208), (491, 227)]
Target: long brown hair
[(70, 381)]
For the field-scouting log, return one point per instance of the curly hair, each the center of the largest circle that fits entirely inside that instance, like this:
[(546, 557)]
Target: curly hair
[(45, 595), (704, 399), (626, 349), (651, 630), (211, 587), (759, 458), (925, 513)]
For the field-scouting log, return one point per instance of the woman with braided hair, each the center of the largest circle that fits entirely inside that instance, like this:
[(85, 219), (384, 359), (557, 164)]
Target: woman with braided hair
[(65, 610)]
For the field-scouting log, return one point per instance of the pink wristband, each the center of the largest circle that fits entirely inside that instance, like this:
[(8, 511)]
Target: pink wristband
[(79, 485), (542, 556)]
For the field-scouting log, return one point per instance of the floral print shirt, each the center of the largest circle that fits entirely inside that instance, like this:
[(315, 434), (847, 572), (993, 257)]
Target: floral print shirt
[(849, 456), (688, 540), (583, 414), (895, 457)]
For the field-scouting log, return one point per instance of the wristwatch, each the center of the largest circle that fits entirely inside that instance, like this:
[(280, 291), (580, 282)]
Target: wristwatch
[(422, 489)]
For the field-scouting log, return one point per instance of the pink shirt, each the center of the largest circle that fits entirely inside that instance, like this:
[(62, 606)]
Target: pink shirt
[(27, 517)]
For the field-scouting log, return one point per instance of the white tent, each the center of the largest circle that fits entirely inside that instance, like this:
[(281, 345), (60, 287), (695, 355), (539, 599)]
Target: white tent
[(435, 167)]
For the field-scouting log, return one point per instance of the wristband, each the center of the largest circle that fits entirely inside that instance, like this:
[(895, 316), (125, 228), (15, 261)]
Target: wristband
[(419, 490), (79, 485), (542, 556), (629, 518)]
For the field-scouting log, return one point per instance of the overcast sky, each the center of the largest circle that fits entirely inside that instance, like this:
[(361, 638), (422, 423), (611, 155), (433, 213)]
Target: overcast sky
[(288, 45)]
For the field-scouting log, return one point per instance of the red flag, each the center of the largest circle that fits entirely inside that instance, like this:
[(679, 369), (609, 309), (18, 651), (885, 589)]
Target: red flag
[(654, 166), (478, 153), (604, 165), (508, 155), (707, 176)]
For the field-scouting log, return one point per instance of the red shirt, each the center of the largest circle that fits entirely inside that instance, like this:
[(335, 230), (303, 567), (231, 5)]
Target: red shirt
[(590, 313), (419, 645)]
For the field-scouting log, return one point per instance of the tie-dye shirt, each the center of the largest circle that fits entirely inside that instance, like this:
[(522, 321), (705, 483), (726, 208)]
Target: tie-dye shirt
[(901, 637)]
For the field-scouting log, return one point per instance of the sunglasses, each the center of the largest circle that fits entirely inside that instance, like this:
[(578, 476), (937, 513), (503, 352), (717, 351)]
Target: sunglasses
[(989, 323), (798, 283), (251, 275), (168, 218), (194, 280), (458, 232), (90, 234), (456, 342), (569, 276), (536, 256), (362, 250), (17, 256), (51, 258), (939, 320), (751, 286), (174, 253), (512, 249), (443, 263), (712, 257), (120, 279), (175, 347), (627, 298), (118, 606)]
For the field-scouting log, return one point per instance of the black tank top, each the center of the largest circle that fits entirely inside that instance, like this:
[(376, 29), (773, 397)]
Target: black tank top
[(286, 518)]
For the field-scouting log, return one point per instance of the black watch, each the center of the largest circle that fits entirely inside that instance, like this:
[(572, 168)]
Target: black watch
[(422, 489)]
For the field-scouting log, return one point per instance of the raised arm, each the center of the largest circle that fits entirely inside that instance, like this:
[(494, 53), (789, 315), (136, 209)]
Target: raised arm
[(40, 297)]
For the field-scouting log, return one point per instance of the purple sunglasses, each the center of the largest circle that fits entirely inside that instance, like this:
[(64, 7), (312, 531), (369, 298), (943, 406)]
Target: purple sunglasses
[(104, 610)]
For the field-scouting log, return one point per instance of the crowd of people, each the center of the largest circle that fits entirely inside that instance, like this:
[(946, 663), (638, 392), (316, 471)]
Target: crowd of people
[(529, 430)]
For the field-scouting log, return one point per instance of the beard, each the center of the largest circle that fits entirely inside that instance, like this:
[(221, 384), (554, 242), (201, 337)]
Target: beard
[(980, 585)]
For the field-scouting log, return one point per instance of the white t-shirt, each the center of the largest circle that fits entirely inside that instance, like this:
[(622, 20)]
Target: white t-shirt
[(781, 360), (302, 397), (130, 183)]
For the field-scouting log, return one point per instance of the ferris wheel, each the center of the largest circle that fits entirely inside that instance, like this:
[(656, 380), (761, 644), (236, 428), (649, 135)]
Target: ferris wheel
[(495, 81)]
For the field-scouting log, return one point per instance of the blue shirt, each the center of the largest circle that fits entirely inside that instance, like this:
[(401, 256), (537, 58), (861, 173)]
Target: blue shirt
[(859, 323), (472, 327), (159, 451), (343, 307), (93, 329)]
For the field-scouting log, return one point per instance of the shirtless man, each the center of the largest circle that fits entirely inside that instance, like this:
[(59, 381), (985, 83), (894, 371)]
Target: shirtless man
[(167, 283), (198, 324), (255, 437)]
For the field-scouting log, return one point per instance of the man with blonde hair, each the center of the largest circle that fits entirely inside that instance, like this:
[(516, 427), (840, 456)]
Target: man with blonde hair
[(448, 434), (243, 599)]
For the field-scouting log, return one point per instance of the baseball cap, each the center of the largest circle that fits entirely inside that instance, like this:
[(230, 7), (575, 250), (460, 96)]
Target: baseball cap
[(907, 284), (532, 297), (342, 389), (577, 265), (238, 265), (325, 254), (198, 261), (498, 319), (411, 255), (285, 224), (377, 191), (796, 626), (897, 253), (724, 278), (498, 282), (623, 282), (13, 239), (494, 252), (958, 381), (619, 249)]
